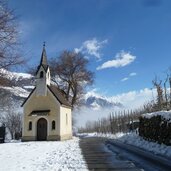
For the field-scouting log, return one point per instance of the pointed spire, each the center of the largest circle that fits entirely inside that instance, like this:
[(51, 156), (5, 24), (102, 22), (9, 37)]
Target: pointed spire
[(43, 57)]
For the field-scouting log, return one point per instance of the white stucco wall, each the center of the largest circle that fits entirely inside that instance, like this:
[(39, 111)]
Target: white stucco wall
[(65, 120), (63, 129), (35, 102)]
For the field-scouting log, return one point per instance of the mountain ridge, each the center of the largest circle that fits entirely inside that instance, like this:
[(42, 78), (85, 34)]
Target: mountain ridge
[(22, 84)]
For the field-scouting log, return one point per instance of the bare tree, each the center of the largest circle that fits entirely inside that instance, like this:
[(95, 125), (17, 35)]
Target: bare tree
[(169, 78), (12, 120), (9, 116), (157, 83), (165, 91), (9, 55), (120, 121), (70, 73)]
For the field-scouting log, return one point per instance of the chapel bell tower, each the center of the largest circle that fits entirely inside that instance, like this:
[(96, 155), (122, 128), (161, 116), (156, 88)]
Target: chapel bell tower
[(42, 75)]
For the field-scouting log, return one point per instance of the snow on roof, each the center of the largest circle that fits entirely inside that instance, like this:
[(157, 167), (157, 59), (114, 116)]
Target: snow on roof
[(164, 114)]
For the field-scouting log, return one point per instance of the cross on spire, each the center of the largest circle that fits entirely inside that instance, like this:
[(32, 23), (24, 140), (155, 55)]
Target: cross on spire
[(44, 44)]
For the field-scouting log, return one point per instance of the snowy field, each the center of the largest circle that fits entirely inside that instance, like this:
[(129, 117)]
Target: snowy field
[(134, 139), (42, 156), (62, 155)]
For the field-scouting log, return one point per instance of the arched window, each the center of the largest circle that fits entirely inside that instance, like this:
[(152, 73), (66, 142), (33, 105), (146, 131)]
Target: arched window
[(66, 119), (41, 74), (30, 126), (53, 125)]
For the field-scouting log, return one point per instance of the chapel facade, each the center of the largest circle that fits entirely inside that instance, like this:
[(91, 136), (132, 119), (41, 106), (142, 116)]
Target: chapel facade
[(46, 113)]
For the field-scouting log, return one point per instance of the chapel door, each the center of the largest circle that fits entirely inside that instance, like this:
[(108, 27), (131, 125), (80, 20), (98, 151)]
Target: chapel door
[(42, 129)]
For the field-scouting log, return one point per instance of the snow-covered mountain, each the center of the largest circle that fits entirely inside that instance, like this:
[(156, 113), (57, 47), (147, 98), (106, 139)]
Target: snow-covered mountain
[(15, 75), (14, 86), (97, 102), (21, 84)]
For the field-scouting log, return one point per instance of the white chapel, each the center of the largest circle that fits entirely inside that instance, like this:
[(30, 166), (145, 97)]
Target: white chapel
[(46, 113)]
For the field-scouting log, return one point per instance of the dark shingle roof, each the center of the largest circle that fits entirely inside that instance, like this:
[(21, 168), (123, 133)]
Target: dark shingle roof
[(58, 94), (54, 89)]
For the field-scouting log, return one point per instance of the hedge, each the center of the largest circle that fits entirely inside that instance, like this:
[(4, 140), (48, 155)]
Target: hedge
[(156, 127)]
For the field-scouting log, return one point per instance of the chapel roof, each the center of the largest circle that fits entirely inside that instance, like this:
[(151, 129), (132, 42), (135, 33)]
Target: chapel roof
[(57, 94)]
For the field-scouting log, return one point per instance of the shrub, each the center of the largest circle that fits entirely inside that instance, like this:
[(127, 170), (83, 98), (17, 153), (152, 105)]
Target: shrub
[(156, 127)]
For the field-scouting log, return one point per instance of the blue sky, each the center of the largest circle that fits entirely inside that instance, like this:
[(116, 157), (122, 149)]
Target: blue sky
[(131, 38)]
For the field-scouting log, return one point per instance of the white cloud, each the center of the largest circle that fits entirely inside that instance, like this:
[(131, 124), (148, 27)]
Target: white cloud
[(91, 47), (135, 99), (132, 74), (130, 100), (125, 79), (121, 59)]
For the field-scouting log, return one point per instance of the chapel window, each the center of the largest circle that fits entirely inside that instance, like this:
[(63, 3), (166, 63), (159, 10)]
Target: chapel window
[(66, 119), (53, 125), (30, 126), (41, 74)]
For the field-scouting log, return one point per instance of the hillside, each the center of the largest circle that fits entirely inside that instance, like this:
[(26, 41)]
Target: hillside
[(16, 88), (21, 84)]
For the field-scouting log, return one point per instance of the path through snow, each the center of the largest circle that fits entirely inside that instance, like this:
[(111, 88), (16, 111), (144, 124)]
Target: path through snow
[(135, 140)]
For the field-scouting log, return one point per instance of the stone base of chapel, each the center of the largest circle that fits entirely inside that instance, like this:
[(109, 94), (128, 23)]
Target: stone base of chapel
[(65, 137), (49, 138)]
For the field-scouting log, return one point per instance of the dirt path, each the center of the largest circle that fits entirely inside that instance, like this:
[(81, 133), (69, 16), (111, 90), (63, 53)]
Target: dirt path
[(99, 158)]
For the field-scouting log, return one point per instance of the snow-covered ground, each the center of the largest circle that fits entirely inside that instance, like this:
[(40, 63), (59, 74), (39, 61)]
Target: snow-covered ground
[(42, 156), (136, 140)]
